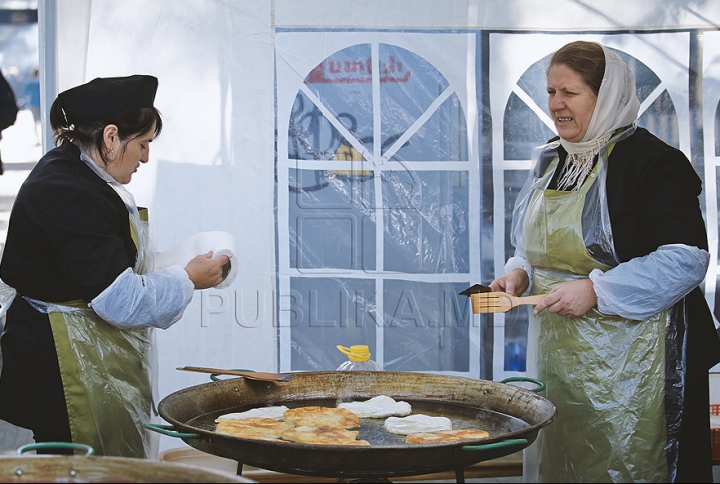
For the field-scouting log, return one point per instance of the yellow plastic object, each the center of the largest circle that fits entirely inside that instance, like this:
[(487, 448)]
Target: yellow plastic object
[(356, 352)]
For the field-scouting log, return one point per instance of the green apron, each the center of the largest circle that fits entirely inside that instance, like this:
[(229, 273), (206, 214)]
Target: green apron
[(106, 375), (605, 374)]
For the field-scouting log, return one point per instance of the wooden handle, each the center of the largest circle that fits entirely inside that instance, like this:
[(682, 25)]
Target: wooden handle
[(530, 299), (253, 375)]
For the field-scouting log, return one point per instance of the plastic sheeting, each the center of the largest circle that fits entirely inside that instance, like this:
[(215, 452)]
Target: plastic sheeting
[(379, 217), (7, 294), (117, 369)]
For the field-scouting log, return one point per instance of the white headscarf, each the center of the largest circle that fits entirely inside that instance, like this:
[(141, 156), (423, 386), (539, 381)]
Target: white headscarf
[(617, 106)]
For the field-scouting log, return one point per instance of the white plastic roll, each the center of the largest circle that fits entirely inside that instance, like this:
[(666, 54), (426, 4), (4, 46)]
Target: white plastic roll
[(221, 243)]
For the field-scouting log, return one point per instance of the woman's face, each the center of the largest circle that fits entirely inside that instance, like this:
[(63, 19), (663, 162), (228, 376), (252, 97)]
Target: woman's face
[(571, 102), (127, 160)]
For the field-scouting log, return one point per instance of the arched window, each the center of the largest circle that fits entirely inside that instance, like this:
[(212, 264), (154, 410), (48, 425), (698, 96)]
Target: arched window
[(379, 213)]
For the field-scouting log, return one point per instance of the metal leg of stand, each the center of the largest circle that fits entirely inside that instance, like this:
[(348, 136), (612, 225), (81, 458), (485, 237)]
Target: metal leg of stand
[(460, 476), (239, 468)]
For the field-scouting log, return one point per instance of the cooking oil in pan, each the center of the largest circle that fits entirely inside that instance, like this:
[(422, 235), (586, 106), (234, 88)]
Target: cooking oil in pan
[(373, 430)]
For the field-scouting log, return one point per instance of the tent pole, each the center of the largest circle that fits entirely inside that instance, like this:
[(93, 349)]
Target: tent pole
[(47, 32)]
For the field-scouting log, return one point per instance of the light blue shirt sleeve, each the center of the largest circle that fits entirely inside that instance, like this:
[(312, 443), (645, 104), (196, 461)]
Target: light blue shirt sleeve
[(644, 286), (155, 300)]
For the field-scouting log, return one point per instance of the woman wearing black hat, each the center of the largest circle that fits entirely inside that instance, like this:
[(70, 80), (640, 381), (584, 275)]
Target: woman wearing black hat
[(76, 350)]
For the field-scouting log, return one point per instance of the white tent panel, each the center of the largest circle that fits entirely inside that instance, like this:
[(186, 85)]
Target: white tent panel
[(553, 15), (213, 166)]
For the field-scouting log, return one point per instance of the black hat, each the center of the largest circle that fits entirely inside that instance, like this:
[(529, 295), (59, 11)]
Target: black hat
[(107, 95)]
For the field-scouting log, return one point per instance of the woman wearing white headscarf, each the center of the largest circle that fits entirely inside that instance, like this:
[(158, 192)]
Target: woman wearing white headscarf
[(609, 226)]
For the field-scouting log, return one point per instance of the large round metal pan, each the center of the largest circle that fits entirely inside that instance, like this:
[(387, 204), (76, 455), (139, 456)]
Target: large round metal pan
[(511, 414), (57, 468)]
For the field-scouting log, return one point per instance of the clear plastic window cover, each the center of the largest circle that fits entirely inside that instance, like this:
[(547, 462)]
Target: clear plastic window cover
[(118, 369), (333, 221), (425, 231), (408, 85), (425, 325), (370, 218)]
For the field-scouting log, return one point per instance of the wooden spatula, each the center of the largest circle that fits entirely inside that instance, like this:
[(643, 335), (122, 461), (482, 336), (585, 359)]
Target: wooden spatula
[(500, 302), (251, 375)]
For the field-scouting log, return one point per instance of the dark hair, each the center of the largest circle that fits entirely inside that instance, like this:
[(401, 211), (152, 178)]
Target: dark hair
[(587, 59), (131, 123)]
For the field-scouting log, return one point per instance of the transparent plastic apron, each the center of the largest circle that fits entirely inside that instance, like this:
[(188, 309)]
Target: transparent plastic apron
[(107, 372), (605, 374)]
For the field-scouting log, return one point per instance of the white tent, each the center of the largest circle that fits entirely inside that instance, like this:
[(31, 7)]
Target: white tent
[(365, 155)]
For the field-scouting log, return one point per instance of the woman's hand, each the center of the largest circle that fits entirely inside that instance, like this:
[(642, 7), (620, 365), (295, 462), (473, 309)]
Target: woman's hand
[(514, 282), (204, 271), (571, 299)]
